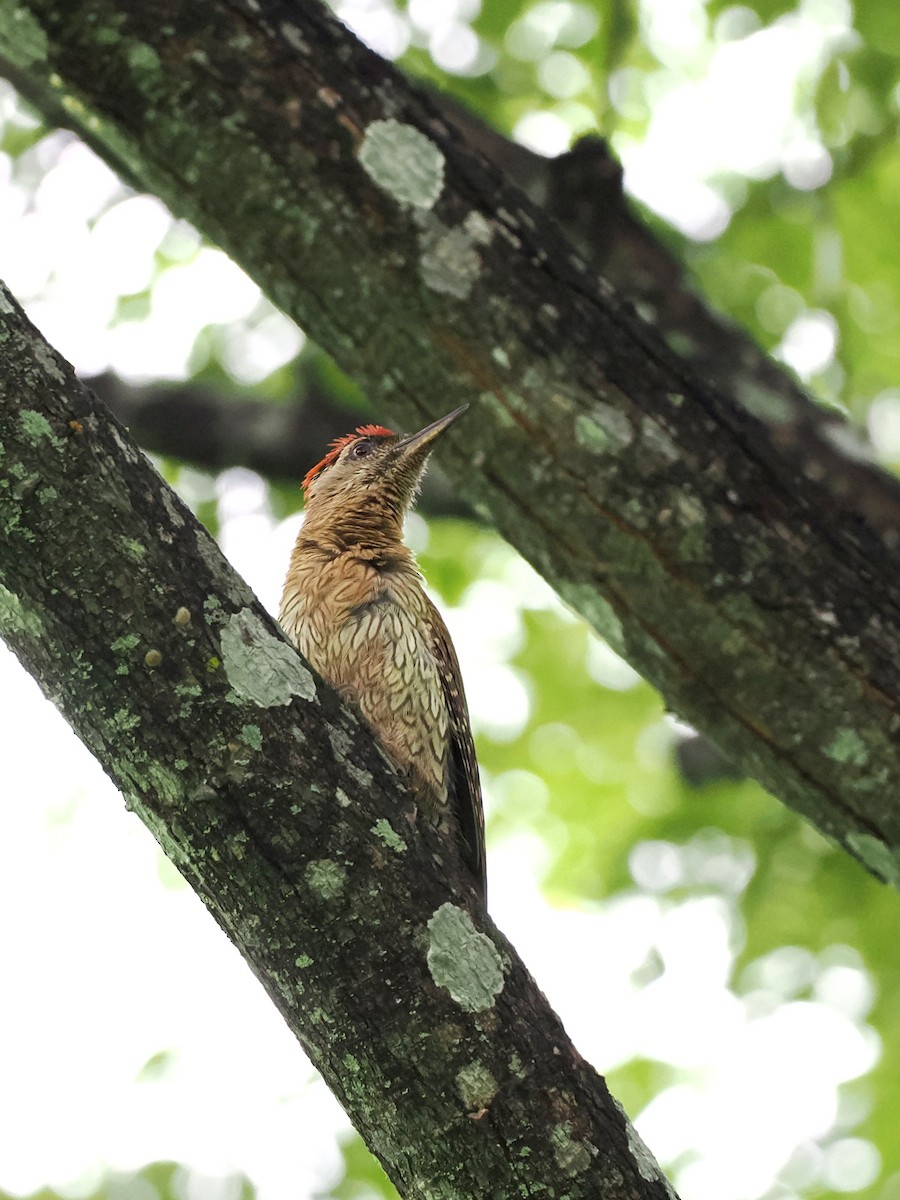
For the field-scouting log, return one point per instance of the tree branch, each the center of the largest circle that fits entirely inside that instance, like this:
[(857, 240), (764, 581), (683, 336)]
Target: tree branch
[(278, 808), (725, 543)]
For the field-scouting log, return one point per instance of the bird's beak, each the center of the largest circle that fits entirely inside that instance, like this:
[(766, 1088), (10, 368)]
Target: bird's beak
[(419, 445)]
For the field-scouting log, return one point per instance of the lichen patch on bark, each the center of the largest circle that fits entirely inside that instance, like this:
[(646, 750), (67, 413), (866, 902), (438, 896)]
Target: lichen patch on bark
[(450, 261), (476, 1086), (462, 960), (383, 830), (403, 162), (326, 878), (848, 747), (36, 428), (16, 618), (573, 1155), (260, 667)]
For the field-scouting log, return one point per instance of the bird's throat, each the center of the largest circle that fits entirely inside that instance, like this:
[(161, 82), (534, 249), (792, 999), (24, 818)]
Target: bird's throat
[(371, 529)]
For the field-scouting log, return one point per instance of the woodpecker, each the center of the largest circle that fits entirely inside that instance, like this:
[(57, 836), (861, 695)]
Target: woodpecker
[(355, 607)]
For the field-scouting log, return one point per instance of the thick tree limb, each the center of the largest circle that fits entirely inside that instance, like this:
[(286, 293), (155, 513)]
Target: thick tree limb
[(281, 812), (724, 543)]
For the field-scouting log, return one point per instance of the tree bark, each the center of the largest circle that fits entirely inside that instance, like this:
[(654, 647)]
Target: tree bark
[(279, 809), (730, 545)]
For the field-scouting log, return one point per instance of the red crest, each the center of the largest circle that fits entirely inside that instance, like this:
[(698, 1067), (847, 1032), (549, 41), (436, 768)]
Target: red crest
[(338, 445)]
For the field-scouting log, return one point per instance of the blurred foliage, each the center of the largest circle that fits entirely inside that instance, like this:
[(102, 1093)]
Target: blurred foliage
[(155, 1181), (363, 1177)]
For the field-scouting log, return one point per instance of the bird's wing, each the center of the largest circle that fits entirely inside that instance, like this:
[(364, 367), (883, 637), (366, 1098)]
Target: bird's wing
[(464, 783)]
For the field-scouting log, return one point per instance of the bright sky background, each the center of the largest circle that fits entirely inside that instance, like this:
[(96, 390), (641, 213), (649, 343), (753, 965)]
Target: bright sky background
[(110, 961)]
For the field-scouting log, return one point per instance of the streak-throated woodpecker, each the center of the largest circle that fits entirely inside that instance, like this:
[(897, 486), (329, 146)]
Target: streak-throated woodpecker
[(355, 607)]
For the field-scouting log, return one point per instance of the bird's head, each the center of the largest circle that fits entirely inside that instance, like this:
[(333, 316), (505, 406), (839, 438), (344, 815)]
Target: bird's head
[(373, 469)]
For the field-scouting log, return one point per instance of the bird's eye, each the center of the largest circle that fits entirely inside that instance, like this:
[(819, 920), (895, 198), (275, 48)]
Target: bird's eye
[(361, 449)]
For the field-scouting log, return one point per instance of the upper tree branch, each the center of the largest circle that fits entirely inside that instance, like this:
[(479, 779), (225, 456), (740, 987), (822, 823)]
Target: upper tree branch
[(731, 550), (279, 809)]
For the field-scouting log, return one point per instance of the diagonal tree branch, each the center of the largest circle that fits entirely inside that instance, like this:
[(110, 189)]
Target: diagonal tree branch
[(279, 809), (725, 543)]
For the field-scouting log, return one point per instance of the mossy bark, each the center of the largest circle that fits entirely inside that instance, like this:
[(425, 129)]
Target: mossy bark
[(732, 545), (279, 809)]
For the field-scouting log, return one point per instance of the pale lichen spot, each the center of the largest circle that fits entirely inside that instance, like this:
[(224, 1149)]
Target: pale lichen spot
[(517, 1066), (342, 748), (124, 720), (251, 736), (132, 548), (360, 775), (325, 878), (36, 428), (476, 1086), (6, 304), (682, 343), (387, 834), (169, 500), (503, 417), (646, 311), (403, 162), (261, 667), (848, 747), (49, 362), (573, 1155), (603, 428), (450, 262), (294, 37), (126, 447), (15, 618), (152, 659), (341, 745), (763, 402), (212, 607), (122, 645), (499, 355), (591, 436), (689, 508), (342, 798), (658, 439), (237, 844), (462, 960), (879, 857), (182, 616)]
